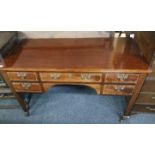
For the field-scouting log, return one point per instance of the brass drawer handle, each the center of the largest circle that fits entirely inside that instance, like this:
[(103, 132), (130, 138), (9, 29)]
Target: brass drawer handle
[(122, 77), (149, 108), (21, 75), (55, 76), (85, 76), (119, 88), (26, 85)]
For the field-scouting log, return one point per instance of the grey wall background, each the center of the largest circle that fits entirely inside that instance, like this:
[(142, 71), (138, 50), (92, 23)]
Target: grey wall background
[(63, 34)]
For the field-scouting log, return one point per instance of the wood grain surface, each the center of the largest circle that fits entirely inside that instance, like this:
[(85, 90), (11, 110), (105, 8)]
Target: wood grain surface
[(91, 55)]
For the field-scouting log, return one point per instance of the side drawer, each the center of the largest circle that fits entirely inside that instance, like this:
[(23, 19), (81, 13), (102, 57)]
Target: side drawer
[(146, 99), (22, 76), (71, 77), (26, 87), (109, 89), (121, 78)]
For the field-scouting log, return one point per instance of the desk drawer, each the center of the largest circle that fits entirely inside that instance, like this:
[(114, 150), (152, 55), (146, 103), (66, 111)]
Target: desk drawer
[(71, 77), (22, 76), (109, 89), (146, 99), (121, 78), (27, 87)]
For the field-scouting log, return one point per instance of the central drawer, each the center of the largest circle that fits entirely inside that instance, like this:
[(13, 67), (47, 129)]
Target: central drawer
[(121, 78), (26, 87), (71, 77), (109, 89)]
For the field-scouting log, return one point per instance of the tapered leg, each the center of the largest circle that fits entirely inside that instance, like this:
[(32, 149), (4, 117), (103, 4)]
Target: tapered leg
[(18, 96), (134, 96)]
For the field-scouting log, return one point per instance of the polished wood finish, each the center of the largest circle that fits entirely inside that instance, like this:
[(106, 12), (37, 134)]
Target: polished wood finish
[(121, 78), (109, 89), (68, 43), (27, 87), (71, 77), (113, 55), (22, 76), (110, 66)]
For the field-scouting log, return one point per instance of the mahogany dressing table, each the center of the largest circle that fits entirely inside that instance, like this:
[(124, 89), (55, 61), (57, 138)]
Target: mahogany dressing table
[(110, 66)]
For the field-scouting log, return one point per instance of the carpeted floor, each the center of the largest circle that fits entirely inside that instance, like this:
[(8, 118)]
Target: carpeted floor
[(72, 105)]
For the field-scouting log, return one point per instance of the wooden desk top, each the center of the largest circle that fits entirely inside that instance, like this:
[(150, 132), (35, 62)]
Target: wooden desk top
[(77, 55)]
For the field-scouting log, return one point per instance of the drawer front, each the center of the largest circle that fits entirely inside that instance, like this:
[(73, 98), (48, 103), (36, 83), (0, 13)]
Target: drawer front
[(26, 87), (96, 87), (22, 76), (71, 77), (109, 89), (121, 78), (149, 86), (146, 99)]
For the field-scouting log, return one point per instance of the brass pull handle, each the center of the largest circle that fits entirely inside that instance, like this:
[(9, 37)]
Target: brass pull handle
[(149, 108), (26, 85), (85, 76), (21, 75), (122, 77), (119, 88), (55, 76)]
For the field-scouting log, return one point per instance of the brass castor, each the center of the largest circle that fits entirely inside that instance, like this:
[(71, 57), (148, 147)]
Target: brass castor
[(125, 117)]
